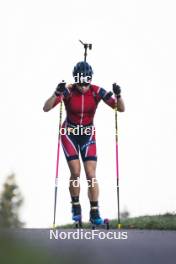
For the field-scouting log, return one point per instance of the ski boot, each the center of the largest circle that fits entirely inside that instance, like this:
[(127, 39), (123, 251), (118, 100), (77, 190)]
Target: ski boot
[(96, 220), (76, 214)]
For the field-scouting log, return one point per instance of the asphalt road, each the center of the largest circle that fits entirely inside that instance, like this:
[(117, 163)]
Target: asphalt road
[(143, 247)]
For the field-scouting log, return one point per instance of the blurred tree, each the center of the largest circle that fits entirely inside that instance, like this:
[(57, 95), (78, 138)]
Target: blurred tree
[(10, 202), (125, 214)]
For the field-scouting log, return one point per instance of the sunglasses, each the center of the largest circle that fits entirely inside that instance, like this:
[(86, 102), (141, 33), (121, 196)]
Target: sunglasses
[(84, 84)]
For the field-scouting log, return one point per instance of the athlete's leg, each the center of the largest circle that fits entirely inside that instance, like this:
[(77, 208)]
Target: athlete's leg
[(93, 192), (90, 170), (71, 151), (74, 185)]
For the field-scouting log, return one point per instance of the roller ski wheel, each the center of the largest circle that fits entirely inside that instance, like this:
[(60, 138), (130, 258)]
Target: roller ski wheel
[(96, 221), (105, 224)]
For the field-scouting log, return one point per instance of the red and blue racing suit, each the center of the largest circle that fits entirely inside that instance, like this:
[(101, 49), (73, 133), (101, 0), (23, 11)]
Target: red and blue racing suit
[(80, 111)]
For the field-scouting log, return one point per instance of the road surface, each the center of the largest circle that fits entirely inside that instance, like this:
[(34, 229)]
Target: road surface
[(132, 246)]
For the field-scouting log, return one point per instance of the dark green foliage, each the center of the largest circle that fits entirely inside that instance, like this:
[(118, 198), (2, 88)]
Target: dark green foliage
[(160, 222), (10, 202), (155, 222)]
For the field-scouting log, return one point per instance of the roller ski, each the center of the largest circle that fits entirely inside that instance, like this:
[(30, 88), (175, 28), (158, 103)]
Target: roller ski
[(96, 221), (76, 214)]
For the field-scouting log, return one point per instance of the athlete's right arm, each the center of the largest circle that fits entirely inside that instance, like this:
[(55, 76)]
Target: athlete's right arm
[(61, 92), (51, 102)]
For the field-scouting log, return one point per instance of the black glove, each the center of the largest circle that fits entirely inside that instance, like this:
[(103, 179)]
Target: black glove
[(116, 89), (60, 88)]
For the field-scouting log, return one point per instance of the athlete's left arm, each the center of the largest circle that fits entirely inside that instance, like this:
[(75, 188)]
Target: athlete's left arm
[(108, 98)]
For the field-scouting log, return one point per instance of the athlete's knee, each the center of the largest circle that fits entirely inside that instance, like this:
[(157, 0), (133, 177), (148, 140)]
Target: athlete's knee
[(91, 180), (90, 174), (74, 175)]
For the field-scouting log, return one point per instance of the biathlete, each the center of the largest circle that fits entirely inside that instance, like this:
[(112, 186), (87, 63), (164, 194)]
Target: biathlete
[(81, 100)]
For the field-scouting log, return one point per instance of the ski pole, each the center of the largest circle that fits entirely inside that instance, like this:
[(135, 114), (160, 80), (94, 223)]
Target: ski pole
[(57, 164), (117, 167)]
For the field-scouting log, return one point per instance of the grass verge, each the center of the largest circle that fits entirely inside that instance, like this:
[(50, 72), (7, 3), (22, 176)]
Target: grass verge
[(156, 222)]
